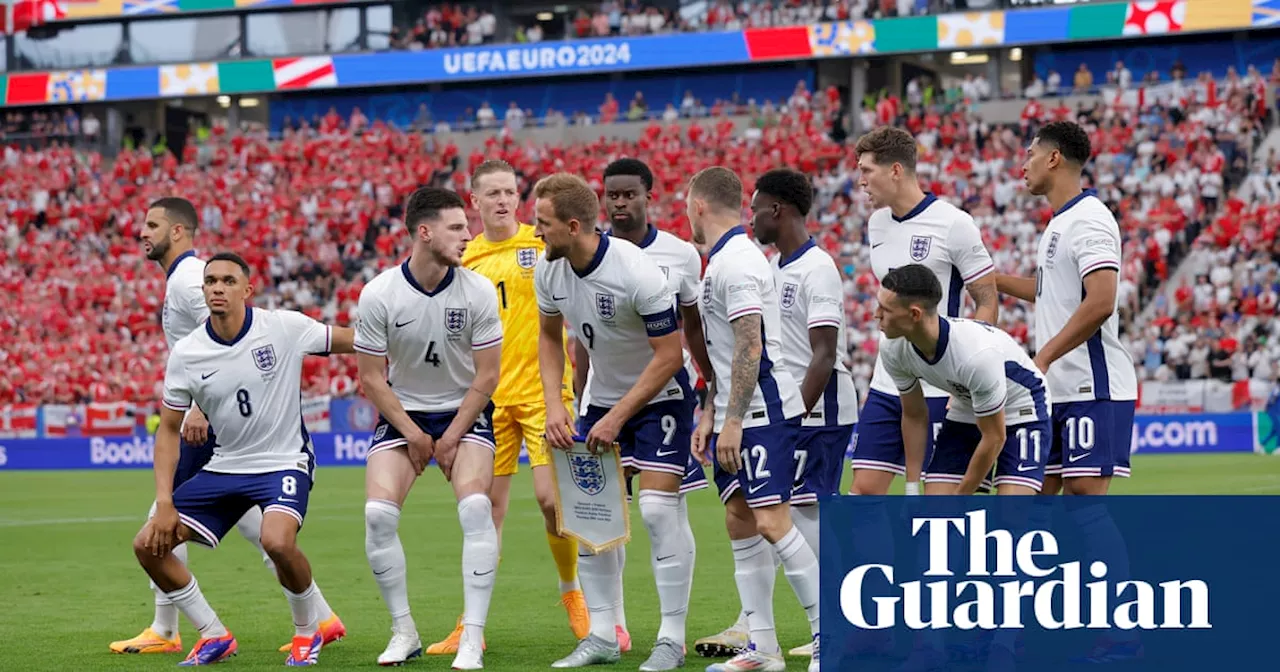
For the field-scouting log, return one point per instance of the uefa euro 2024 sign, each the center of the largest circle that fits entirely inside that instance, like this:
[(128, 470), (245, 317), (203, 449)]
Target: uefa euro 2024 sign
[(1169, 583)]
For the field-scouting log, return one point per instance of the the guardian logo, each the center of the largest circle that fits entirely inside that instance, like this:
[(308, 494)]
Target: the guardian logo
[(1042, 587)]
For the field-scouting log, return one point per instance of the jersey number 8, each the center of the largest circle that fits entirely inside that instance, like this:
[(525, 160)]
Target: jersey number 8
[(242, 401), (289, 485)]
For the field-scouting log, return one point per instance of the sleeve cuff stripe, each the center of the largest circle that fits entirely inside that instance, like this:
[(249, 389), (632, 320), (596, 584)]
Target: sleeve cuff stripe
[(993, 411), (175, 407), (548, 313), (1105, 263), (750, 310), (989, 268), (689, 303), (328, 339), (487, 344), (369, 351), (824, 323)]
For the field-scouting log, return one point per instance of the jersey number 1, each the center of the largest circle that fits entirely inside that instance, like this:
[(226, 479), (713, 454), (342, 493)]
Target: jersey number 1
[(502, 292)]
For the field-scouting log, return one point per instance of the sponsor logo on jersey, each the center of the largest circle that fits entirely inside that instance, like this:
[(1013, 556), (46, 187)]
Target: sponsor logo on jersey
[(920, 246), (527, 257), (265, 357), (789, 291), (605, 306), (587, 472), (1053, 246), (455, 319)]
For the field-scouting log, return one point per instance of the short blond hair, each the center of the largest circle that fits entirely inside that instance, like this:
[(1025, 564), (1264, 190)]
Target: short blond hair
[(490, 167), (571, 198), (720, 187)]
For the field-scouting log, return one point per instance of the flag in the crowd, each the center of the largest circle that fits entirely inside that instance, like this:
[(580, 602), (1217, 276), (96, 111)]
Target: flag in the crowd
[(315, 414), (18, 421), (1266, 12), (29, 13), (114, 419)]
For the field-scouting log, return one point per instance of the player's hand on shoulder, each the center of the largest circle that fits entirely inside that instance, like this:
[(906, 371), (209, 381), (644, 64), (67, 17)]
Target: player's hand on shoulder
[(195, 429), (163, 529), (421, 448), (559, 427), (728, 444)]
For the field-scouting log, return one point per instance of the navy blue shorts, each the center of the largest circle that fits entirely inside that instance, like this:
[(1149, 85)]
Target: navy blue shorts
[(768, 464), (1021, 461), (386, 436), (820, 462), (877, 442), (654, 439), (695, 477), (192, 458), (1091, 438), (212, 503)]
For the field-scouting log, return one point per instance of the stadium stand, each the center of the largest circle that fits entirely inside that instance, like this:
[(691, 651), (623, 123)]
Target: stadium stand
[(1174, 170)]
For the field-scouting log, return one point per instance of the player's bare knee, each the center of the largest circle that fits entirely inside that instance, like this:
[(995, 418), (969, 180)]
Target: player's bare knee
[(278, 543), (871, 482), (739, 521), (773, 522)]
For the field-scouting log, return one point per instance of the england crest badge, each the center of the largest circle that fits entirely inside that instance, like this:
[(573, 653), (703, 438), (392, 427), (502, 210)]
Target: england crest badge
[(1052, 249), (587, 473), (605, 306), (920, 246), (265, 358), (455, 319), (789, 292), (527, 257)]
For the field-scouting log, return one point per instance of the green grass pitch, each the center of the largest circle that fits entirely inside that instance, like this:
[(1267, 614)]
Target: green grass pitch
[(69, 583)]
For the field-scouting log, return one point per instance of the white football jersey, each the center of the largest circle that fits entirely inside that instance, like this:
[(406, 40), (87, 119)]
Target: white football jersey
[(938, 235), (250, 389), (615, 305), (184, 306), (428, 337), (812, 295), (739, 282), (982, 368), (1082, 237), (680, 262)]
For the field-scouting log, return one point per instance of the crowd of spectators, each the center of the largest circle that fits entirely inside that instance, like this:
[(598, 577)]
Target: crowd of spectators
[(316, 213), (458, 24)]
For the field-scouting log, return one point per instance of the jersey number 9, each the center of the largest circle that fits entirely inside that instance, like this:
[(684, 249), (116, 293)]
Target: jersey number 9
[(590, 333)]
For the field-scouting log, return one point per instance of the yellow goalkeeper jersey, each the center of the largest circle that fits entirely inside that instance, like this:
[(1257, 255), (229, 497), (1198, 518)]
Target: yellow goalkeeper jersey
[(509, 266)]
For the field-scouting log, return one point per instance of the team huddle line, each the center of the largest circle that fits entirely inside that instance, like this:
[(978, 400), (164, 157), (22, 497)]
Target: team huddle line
[(462, 350)]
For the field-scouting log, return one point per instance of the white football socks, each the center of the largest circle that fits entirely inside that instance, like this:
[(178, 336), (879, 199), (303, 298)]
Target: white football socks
[(599, 576), (754, 572), (690, 543), (306, 619), (620, 614), (386, 559), (190, 601), (801, 568), (671, 558), (166, 618), (479, 560), (805, 518)]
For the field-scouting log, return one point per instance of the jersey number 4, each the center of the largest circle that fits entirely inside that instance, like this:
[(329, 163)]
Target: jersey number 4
[(433, 357)]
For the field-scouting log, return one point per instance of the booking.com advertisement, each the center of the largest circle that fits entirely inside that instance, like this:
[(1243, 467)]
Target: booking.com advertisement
[(1014, 583), (348, 445)]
